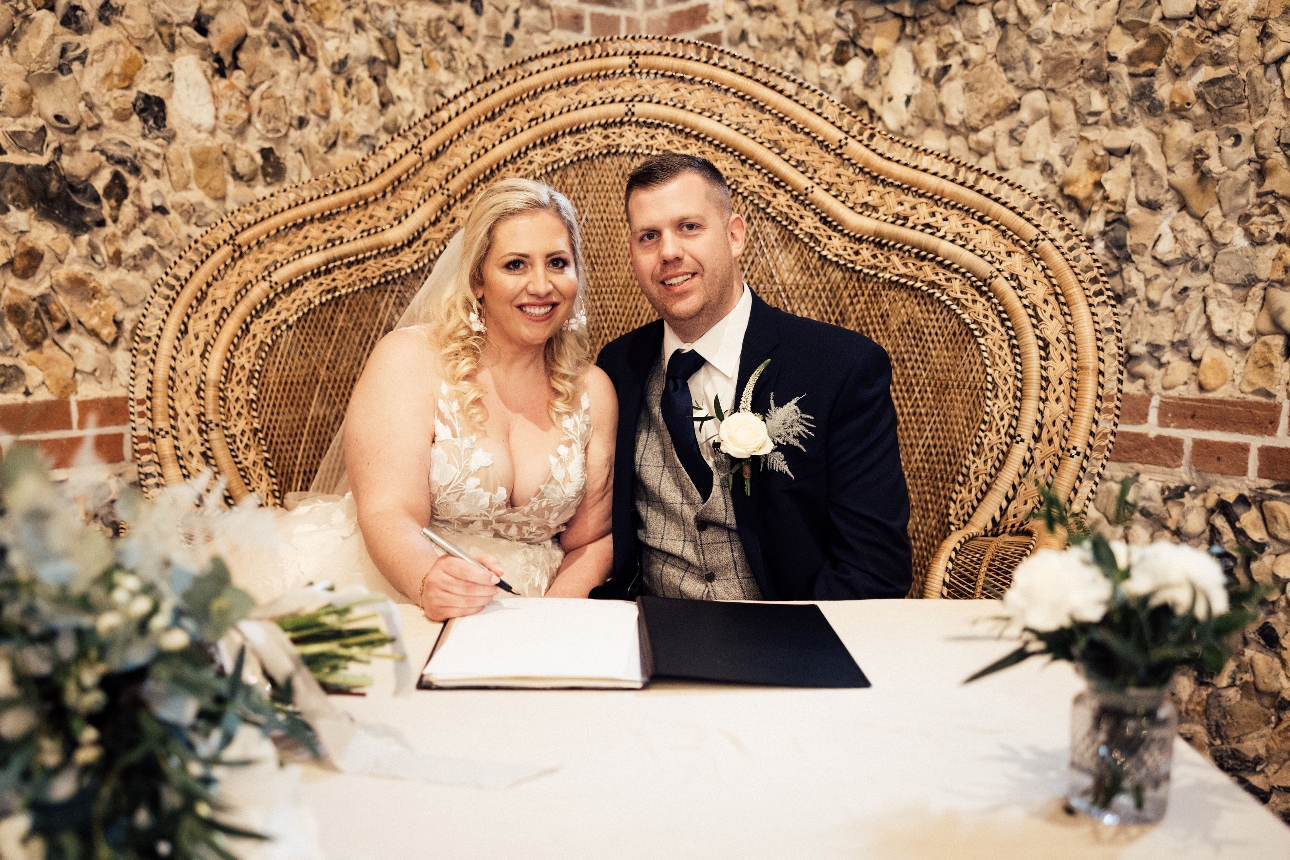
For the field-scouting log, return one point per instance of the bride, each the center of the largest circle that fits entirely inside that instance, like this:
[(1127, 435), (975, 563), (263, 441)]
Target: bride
[(488, 423)]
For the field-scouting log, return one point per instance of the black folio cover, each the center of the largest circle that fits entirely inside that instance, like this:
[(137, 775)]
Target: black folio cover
[(766, 644)]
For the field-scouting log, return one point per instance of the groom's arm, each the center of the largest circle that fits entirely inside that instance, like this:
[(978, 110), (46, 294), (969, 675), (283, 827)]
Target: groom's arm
[(868, 551), (623, 582)]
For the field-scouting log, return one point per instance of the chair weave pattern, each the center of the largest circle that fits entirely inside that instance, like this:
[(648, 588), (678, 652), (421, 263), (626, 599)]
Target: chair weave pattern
[(1004, 342)]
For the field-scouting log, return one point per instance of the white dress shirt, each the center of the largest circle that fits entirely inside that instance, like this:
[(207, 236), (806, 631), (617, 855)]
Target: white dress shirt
[(721, 347)]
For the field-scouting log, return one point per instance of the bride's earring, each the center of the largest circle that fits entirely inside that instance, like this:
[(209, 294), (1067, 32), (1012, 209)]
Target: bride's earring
[(577, 321), (476, 320)]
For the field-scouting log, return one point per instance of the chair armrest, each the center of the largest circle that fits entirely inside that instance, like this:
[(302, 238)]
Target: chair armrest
[(971, 566)]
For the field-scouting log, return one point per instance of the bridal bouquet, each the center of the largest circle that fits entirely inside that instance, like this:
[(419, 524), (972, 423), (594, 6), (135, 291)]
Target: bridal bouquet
[(125, 725), (1129, 617)]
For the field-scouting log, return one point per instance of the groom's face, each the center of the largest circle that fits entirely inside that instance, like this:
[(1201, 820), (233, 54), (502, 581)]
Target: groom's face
[(684, 245)]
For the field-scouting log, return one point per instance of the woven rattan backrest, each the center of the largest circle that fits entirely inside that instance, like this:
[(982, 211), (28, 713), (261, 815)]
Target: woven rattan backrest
[(1004, 344)]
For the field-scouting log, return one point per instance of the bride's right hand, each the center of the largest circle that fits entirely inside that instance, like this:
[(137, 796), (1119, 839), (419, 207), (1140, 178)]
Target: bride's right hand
[(453, 587)]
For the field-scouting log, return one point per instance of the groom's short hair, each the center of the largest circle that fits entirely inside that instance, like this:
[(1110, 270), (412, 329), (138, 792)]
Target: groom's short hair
[(661, 169)]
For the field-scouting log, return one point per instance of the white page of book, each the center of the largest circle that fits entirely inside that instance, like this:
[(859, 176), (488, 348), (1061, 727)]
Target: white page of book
[(544, 639)]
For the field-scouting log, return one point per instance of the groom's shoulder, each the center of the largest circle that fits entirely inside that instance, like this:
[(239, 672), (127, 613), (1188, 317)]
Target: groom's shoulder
[(816, 339), (614, 355)]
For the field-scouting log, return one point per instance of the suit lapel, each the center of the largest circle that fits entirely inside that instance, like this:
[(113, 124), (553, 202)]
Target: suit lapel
[(644, 352), (760, 341)]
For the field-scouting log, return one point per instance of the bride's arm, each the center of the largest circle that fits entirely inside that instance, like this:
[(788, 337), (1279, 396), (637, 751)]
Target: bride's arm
[(588, 544), (389, 428)]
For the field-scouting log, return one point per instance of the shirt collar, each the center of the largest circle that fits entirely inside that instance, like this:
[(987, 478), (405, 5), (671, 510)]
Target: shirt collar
[(720, 345)]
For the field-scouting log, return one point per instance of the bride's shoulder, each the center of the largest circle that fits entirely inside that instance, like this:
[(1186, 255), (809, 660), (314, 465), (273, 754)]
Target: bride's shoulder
[(404, 358), (602, 400), (412, 346), (416, 338)]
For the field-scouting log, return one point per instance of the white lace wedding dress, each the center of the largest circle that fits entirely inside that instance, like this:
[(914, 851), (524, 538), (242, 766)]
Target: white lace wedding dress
[(319, 539)]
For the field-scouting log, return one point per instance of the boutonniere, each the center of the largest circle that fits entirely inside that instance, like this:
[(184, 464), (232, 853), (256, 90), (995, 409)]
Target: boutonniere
[(743, 434)]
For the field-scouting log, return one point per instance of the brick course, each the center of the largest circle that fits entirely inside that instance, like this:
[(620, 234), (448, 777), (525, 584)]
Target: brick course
[(1135, 408), (605, 25), (1274, 463), (1250, 417), (600, 18), (35, 416), (1148, 449), (567, 18), (1222, 458), (61, 453), (678, 22), (102, 412)]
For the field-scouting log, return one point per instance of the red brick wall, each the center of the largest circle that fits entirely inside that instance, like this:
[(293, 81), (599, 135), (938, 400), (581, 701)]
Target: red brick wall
[(1205, 436), (59, 428), (695, 19)]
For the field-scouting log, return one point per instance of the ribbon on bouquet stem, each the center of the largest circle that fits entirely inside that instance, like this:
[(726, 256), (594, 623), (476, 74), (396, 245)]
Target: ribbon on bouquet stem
[(348, 745)]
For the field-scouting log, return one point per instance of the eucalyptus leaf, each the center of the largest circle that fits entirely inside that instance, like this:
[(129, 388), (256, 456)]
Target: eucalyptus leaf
[(170, 704), (215, 603), (21, 461)]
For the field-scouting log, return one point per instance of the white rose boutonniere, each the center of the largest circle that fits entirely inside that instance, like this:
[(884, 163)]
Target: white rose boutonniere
[(743, 434)]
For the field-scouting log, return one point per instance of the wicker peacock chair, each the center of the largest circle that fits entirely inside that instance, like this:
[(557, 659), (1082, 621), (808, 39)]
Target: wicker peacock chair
[(1004, 341)]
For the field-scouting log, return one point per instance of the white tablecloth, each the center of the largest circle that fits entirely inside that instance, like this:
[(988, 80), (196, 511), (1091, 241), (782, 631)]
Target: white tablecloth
[(918, 766)]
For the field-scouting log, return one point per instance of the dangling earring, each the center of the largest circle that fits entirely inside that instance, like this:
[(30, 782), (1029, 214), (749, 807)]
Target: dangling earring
[(577, 321), (476, 319)]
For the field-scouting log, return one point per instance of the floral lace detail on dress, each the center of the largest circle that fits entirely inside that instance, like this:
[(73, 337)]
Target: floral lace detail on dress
[(467, 499)]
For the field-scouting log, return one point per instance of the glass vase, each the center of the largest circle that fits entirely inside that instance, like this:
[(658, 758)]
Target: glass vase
[(1121, 751)]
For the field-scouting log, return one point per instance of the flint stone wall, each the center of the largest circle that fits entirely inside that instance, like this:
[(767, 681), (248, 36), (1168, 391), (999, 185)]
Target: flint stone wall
[(1158, 127)]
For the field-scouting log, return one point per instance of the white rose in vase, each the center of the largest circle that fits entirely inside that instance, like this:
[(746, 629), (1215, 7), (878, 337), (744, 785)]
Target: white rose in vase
[(1051, 589), (743, 435), (1178, 575)]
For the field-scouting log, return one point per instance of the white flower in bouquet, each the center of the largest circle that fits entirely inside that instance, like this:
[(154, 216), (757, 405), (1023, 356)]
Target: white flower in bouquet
[(1178, 576), (1051, 589), (1124, 554), (744, 435), (13, 835)]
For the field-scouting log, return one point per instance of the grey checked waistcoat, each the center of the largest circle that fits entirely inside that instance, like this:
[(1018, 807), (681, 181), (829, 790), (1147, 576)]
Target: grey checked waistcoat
[(689, 547)]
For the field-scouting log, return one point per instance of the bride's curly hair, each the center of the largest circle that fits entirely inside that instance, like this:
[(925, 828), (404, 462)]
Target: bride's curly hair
[(461, 347)]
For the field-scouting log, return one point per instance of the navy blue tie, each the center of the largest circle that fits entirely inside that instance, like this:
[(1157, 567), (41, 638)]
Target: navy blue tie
[(678, 414)]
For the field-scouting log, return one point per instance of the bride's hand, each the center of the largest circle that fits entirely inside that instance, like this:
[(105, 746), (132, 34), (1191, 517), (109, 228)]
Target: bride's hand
[(453, 587)]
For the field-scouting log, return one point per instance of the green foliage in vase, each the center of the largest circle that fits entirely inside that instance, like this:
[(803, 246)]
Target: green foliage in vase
[(1128, 616), (114, 710)]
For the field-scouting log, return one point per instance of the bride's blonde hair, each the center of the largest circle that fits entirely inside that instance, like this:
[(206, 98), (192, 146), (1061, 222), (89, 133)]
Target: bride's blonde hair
[(461, 346)]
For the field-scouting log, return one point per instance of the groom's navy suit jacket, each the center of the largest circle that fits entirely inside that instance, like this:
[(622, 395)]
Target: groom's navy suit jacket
[(835, 530)]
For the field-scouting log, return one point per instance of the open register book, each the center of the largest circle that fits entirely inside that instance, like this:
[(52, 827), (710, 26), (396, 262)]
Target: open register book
[(560, 643), (551, 642)]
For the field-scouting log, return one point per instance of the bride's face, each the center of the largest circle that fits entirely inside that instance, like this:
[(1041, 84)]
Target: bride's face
[(528, 279)]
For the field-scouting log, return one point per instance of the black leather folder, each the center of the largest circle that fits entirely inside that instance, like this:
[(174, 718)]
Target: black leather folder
[(765, 644)]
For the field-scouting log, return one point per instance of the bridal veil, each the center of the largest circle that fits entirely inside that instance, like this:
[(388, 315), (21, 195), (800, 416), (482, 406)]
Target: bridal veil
[(331, 479)]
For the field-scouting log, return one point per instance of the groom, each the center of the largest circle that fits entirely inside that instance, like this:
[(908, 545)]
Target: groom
[(823, 521)]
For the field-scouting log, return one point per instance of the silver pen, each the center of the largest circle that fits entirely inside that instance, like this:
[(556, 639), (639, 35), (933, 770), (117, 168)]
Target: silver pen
[(452, 549)]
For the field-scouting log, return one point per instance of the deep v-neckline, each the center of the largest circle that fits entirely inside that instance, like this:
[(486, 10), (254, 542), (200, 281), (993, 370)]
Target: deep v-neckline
[(550, 478), (462, 466)]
